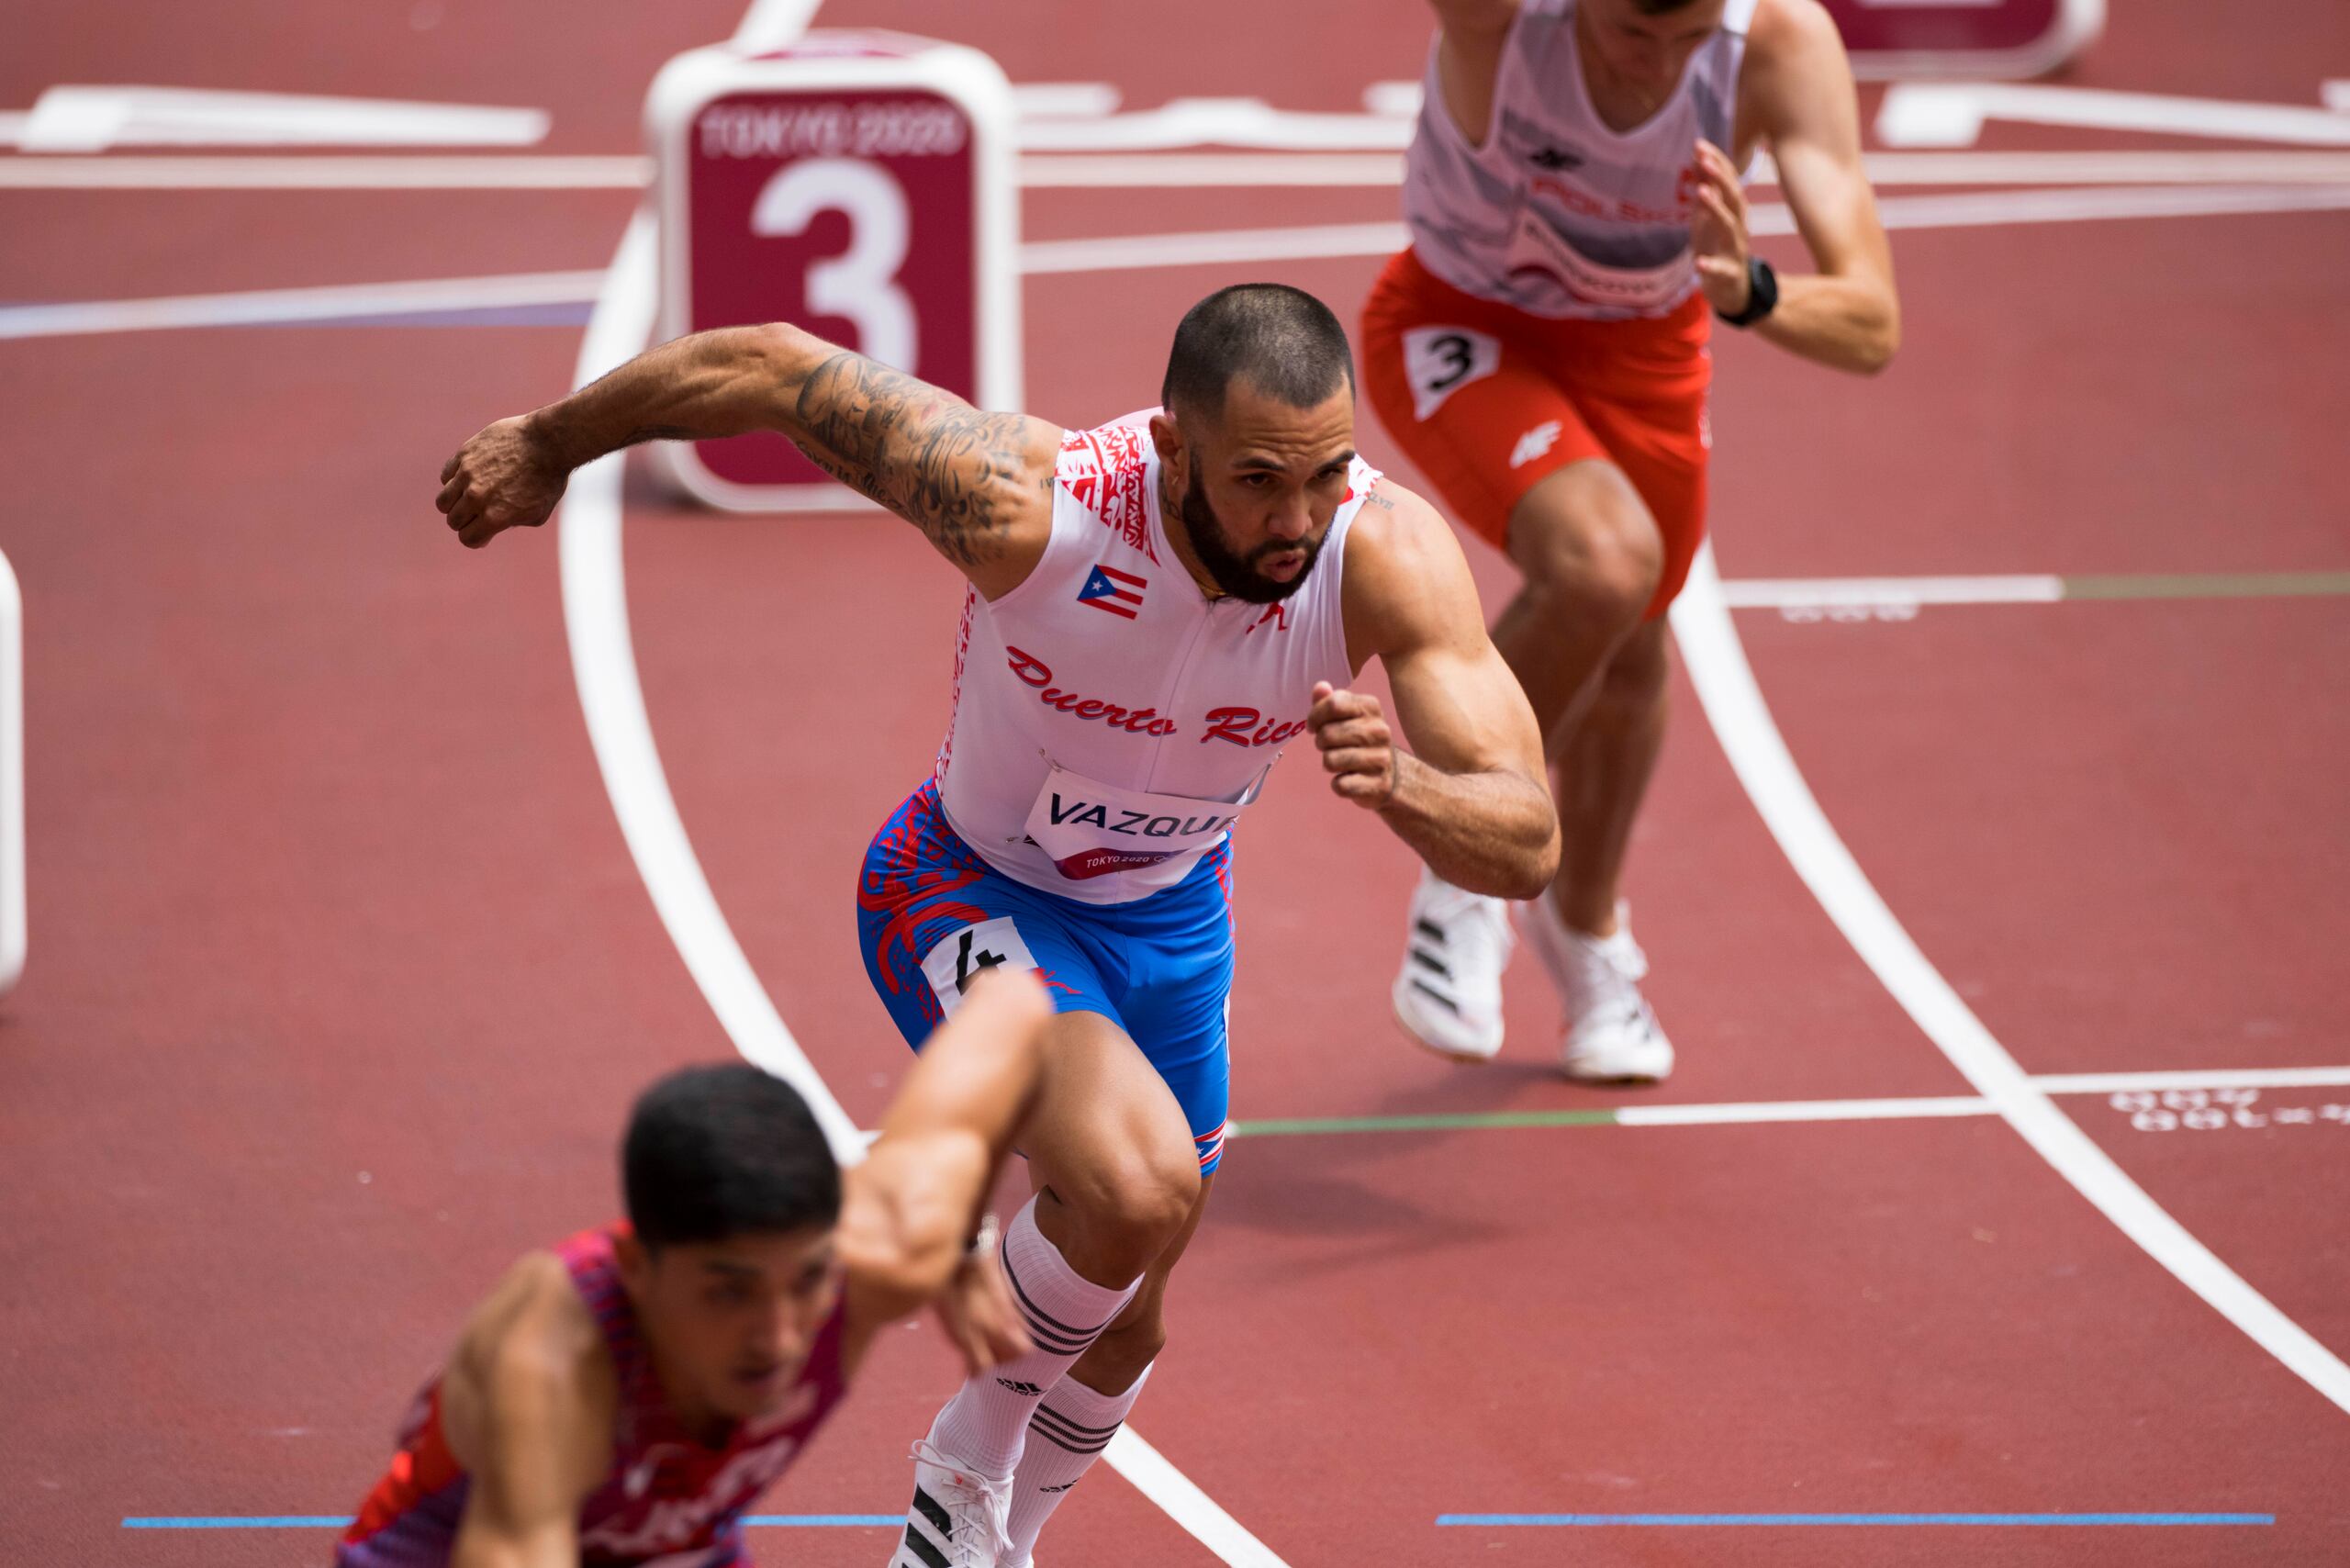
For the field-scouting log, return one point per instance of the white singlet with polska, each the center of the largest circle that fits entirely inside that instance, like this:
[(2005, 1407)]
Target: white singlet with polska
[(1112, 722), (1554, 213)]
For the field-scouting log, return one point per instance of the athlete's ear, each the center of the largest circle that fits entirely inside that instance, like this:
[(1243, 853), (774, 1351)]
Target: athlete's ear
[(1167, 435), (635, 1262)]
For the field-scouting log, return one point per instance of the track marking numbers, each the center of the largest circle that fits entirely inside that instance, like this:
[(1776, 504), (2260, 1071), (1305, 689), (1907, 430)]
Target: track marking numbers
[(2216, 1110)]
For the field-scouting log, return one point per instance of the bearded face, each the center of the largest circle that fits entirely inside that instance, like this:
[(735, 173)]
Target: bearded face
[(1267, 572)]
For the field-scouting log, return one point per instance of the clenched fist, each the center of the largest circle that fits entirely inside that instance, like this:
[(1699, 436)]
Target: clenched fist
[(1358, 752), (504, 477)]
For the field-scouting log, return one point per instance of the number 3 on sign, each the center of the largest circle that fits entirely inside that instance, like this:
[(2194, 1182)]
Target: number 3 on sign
[(861, 285)]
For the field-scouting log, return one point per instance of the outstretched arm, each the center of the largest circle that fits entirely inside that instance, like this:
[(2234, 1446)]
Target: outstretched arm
[(978, 484), (1470, 798), (909, 1211)]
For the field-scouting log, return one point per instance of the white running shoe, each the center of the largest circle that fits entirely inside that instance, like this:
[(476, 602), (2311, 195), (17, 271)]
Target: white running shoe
[(959, 1518), (1609, 1036), (1449, 993)]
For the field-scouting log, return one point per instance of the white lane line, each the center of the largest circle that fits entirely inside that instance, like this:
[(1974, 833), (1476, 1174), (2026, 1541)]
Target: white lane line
[(1128, 252), (2216, 1077), (323, 173), (1808, 593), (1175, 1493), (1146, 171), (92, 119), (1758, 754), (276, 307), (2125, 168), (1217, 122), (1733, 1113), (1083, 171), (1951, 114), (1981, 209), (603, 657)]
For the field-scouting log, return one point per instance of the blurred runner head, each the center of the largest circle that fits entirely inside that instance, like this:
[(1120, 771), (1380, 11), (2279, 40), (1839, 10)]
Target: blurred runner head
[(1646, 44), (1256, 434), (733, 1194)]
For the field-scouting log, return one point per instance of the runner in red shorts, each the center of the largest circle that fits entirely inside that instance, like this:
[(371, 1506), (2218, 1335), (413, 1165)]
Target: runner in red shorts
[(1577, 220)]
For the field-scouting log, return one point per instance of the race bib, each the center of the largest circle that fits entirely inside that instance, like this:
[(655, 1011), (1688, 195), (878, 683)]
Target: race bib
[(1537, 246), (1093, 829), (961, 957), (1441, 360)]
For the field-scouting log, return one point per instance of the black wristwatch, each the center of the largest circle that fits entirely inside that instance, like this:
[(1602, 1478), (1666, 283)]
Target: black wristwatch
[(1762, 293)]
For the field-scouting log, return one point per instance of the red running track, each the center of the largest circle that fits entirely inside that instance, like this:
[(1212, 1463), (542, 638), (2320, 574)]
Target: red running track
[(342, 974)]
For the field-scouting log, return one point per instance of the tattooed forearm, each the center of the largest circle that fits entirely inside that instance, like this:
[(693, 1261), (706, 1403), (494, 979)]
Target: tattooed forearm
[(950, 469)]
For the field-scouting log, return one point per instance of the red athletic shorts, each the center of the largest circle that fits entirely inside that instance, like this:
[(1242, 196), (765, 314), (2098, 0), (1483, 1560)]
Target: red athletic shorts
[(1489, 401)]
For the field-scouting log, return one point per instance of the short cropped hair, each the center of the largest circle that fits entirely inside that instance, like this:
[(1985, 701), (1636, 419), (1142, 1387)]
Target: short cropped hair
[(719, 1151), (1282, 339)]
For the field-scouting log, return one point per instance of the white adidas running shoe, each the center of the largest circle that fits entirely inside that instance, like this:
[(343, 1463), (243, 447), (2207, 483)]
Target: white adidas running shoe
[(1449, 993), (1609, 1036), (959, 1518)]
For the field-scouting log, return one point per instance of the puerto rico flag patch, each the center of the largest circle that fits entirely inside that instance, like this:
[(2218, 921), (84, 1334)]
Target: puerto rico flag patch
[(1120, 593)]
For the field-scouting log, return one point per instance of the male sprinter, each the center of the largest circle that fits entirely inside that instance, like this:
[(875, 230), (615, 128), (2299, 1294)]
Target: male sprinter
[(1541, 353), (622, 1399), (1157, 607)]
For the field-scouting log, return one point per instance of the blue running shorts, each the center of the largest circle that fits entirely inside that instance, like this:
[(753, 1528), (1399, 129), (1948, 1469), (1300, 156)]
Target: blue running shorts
[(930, 914)]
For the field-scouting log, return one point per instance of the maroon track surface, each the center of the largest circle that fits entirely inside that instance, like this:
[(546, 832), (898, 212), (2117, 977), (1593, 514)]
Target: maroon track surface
[(341, 975)]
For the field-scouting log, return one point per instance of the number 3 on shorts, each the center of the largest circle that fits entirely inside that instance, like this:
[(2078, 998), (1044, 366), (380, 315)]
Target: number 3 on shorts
[(1441, 360), (954, 961)]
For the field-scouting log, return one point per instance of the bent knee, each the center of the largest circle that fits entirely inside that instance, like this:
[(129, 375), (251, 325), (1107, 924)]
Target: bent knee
[(1592, 546), (1132, 1206)]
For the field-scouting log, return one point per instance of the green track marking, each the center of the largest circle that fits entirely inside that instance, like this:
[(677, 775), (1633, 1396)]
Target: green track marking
[(2214, 585), (1422, 1124)]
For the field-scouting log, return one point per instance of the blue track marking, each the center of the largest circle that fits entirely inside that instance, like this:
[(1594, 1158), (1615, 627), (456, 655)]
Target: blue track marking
[(1805, 1519), (338, 1521)]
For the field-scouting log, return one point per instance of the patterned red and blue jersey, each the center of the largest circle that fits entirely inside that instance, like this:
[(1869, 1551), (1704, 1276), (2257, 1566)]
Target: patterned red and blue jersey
[(668, 1497)]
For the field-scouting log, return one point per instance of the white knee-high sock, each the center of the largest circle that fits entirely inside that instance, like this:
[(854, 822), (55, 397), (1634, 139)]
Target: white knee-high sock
[(1066, 1435), (986, 1424)]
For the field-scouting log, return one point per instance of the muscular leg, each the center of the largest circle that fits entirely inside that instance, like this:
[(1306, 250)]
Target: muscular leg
[(1118, 1182), (1592, 555), (1602, 775), (1077, 1419), (1140, 1333)]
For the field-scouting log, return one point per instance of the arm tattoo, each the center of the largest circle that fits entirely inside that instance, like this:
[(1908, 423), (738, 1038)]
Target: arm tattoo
[(944, 467)]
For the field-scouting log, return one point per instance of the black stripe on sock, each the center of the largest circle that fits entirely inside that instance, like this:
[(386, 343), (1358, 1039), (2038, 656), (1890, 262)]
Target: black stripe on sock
[(1073, 1445), (1430, 929), (924, 1549), (1442, 1000), (1084, 1336), (1047, 1339), (1045, 1413), (1421, 955), (940, 1520)]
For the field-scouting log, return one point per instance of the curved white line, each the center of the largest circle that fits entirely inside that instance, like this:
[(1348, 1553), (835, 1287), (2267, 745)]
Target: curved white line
[(603, 660), (1734, 705)]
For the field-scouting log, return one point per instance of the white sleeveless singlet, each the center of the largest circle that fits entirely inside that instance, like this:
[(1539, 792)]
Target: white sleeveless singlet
[(1110, 720), (1555, 214)]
